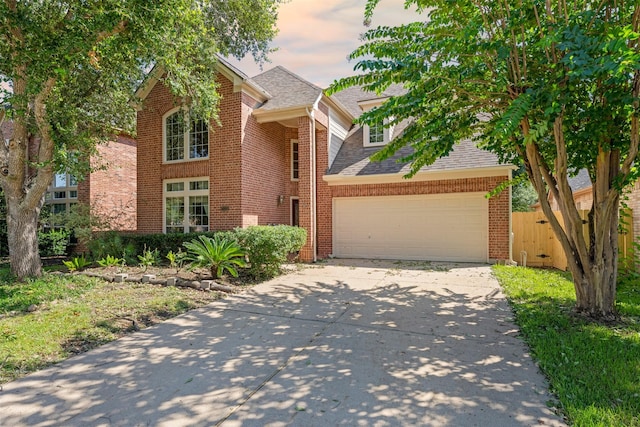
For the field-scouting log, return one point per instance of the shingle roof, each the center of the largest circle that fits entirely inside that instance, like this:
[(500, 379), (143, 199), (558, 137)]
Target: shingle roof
[(351, 96), (353, 157), (288, 90), (580, 181)]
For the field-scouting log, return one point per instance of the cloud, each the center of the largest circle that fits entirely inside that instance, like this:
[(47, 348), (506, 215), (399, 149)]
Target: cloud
[(316, 37)]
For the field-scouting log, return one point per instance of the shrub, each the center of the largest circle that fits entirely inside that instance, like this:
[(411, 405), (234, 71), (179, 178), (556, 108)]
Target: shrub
[(111, 261), (53, 242), (215, 253), (268, 247), (149, 258), (77, 263), (111, 243)]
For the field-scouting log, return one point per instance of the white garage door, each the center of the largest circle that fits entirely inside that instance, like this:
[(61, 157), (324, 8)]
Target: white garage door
[(440, 227)]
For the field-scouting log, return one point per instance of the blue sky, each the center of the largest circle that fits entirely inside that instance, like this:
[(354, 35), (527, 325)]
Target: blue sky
[(316, 37)]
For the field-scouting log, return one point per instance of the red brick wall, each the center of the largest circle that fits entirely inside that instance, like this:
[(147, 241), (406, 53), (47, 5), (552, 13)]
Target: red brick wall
[(305, 186), (223, 166), (498, 206), (265, 170), (112, 192), (248, 165)]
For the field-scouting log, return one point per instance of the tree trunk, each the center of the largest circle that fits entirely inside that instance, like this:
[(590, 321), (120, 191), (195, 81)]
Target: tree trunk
[(22, 236)]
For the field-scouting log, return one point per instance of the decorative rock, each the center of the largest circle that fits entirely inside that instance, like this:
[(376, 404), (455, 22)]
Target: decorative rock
[(172, 281), (158, 282), (119, 278), (148, 278), (32, 308), (206, 284)]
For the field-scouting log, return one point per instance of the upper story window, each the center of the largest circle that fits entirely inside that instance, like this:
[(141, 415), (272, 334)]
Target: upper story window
[(377, 135), (185, 138), (295, 161)]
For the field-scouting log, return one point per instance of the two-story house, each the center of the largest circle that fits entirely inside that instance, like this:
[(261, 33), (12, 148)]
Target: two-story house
[(286, 153)]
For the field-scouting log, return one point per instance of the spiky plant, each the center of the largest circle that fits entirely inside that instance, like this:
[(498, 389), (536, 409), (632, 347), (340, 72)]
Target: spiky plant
[(215, 253)]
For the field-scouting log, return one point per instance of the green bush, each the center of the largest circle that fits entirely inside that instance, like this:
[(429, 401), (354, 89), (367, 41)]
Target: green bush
[(53, 242), (116, 245), (268, 247)]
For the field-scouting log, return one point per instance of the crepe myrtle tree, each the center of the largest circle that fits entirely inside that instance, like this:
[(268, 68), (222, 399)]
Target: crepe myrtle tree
[(68, 72), (550, 85)]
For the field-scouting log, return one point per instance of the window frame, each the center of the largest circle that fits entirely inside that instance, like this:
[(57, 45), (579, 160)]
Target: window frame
[(186, 135), (295, 163), (185, 193), (387, 134)]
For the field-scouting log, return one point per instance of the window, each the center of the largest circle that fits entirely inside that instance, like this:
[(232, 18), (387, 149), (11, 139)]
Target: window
[(62, 193), (58, 208), (295, 161), (377, 134), (182, 141), (186, 205), (60, 180)]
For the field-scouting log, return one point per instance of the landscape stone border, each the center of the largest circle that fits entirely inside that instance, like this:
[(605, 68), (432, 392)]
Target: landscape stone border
[(203, 285)]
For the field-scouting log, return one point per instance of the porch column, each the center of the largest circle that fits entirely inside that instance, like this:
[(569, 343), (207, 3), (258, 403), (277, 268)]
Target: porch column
[(306, 185)]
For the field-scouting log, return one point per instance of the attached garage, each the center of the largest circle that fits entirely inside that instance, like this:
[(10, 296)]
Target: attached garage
[(438, 227)]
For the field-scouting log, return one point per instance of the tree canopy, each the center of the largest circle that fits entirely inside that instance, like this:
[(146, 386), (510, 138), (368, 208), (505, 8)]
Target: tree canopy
[(69, 70), (553, 86)]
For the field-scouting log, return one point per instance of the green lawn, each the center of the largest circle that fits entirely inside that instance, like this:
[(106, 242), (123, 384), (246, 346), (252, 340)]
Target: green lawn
[(47, 320), (593, 369)]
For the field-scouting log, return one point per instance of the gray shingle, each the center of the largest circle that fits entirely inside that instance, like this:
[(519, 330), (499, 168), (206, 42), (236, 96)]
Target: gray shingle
[(352, 95), (353, 159), (288, 90), (580, 181)]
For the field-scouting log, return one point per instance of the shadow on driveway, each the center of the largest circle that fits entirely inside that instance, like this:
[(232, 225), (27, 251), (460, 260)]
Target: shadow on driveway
[(328, 345)]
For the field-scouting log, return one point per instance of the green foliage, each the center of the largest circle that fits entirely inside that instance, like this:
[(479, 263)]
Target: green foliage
[(149, 258), (79, 219), (176, 259), (111, 261), (592, 368), (68, 71), (53, 242), (18, 296), (77, 263), (268, 247), (215, 253), (113, 244), (554, 89)]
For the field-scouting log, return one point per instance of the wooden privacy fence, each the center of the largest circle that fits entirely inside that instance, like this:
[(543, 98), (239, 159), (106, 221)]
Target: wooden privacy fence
[(534, 240)]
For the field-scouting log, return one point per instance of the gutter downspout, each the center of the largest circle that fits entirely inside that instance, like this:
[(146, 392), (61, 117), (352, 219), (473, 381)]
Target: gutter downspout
[(314, 196)]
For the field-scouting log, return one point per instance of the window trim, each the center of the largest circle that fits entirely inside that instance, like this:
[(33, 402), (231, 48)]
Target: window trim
[(293, 162), (185, 193), (387, 135), (186, 138)]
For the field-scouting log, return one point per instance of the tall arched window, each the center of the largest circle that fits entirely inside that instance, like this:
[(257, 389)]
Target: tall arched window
[(185, 142)]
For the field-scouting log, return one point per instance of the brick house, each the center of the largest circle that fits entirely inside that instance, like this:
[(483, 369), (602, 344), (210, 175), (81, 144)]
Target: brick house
[(285, 153), (110, 190)]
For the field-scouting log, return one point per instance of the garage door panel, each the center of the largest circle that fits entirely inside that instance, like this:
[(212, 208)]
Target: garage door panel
[(426, 227)]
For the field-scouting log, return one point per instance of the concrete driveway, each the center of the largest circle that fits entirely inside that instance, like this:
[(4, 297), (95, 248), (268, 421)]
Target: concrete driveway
[(354, 343)]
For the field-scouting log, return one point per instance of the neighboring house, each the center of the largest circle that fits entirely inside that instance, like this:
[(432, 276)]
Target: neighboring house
[(110, 189), (583, 196), (285, 153)]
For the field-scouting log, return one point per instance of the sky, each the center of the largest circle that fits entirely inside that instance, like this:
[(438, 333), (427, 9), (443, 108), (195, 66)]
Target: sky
[(316, 36)]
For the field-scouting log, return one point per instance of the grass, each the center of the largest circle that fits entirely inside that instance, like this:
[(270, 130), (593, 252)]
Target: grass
[(47, 320), (593, 368)]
